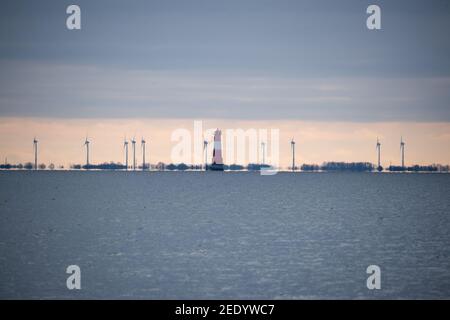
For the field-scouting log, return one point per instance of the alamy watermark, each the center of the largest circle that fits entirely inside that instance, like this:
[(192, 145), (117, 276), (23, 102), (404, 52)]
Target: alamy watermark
[(237, 146), (373, 22), (374, 280), (73, 21), (74, 280)]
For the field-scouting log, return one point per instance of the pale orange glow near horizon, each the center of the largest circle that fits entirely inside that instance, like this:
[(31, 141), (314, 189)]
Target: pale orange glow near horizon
[(61, 140)]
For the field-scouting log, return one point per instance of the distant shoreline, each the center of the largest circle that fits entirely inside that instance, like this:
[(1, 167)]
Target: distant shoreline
[(226, 171), (251, 167)]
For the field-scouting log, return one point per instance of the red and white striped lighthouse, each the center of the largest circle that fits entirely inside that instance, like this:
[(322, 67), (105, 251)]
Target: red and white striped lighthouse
[(217, 160)]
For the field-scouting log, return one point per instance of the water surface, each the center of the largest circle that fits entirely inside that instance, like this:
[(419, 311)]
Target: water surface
[(197, 235)]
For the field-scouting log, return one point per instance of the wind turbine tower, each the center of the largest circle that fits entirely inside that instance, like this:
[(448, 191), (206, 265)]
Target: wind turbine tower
[(143, 153), (379, 154), (125, 145), (205, 150), (263, 150), (402, 149), (35, 149), (86, 143), (133, 143), (293, 154)]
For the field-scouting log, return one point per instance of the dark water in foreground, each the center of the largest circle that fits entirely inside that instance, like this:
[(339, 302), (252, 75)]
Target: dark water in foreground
[(224, 235)]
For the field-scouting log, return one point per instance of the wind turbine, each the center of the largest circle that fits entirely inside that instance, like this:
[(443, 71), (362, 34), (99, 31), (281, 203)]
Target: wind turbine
[(378, 148), (263, 150), (133, 143), (35, 149), (293, 153), (125, 145), (86, 143), (205, 150), (143, 153), (402, 149)]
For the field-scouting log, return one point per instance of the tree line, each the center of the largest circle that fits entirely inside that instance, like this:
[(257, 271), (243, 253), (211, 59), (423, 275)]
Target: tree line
[(326, 166)]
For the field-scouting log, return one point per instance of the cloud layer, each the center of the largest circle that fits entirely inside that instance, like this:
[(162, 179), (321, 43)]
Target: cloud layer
[(49, 90)]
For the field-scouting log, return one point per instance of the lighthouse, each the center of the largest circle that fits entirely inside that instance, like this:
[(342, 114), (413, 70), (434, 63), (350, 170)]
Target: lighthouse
[(217, 161)]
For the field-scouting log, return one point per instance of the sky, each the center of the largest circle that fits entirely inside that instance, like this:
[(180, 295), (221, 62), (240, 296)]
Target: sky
[(312, 69)]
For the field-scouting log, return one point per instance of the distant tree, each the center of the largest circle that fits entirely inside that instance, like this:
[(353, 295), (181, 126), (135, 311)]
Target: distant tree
[(396, 168), (51, 166), (417, 168), (344, 166), (20, 166), (28, 166), (310, 167), (233, 167), (171, 167), (42, 166), (195, 167), (182, 167), (160, 166), (105, 166), (414, 168), (257, 166)]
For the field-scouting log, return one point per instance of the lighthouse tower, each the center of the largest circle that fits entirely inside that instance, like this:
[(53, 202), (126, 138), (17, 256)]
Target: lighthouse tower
[(217, 161)]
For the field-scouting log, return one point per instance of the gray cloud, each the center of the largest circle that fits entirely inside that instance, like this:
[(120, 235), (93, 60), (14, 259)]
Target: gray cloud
[(250, 59), (49, 90), (311, 37)]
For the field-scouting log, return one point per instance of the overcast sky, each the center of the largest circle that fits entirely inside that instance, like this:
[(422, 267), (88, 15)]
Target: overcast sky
[(310, 68), (304, 60)]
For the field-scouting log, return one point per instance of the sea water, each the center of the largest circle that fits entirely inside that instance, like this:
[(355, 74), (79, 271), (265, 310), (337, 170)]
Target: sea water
[(220, 235)]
